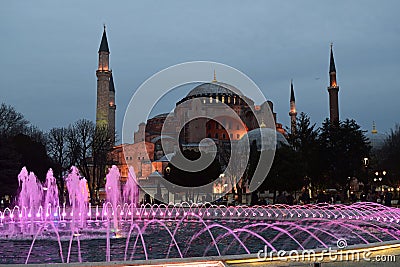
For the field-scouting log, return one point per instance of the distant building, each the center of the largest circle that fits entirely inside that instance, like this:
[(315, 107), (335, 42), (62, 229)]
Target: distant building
[(376, 139)]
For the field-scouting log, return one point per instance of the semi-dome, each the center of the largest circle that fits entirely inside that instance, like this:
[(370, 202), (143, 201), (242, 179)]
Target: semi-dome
[(377, 140), (214, 88), (266, 138)]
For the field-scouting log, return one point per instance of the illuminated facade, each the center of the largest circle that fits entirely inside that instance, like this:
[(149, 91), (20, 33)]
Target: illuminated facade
[(208, 100)]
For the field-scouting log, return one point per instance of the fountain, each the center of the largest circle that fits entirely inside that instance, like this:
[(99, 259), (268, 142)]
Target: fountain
[(121, 230)]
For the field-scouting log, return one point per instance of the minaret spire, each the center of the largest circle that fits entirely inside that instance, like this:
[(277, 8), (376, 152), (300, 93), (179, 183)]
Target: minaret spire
[(333, 90), (332, 67), (292, 112), (104, 44), (292, 91)]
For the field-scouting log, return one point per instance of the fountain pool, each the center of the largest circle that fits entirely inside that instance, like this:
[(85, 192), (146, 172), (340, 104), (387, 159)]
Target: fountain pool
[(38, 230)]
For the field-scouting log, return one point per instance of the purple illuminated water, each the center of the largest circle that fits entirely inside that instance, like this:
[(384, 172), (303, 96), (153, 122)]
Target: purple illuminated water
[(42, 231)]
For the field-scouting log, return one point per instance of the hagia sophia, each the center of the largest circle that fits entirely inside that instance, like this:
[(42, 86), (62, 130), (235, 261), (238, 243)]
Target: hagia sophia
[(208, 100)]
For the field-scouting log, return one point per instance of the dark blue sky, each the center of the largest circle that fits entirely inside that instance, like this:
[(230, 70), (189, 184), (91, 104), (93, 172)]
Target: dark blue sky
[(49, 52)]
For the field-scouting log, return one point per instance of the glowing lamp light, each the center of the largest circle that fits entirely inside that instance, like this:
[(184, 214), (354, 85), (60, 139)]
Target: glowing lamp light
[(11, 215), (145, 214), (137, 213), (122, 213), (29, 215), (97, 214), (64, 214), (20, 215), (38, 214), (169, 213), (55, 214), (161, 213), (47, 214), (105, 213), (154, 214)]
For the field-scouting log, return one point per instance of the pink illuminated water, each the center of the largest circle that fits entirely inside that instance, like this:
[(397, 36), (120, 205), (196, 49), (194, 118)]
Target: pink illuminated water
[(122, 230)]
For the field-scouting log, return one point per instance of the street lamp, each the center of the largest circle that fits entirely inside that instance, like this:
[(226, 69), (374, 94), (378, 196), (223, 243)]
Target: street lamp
[(366, 161), (367, 181), (379, 175)]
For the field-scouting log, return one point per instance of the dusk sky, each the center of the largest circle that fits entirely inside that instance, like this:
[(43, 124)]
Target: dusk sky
[(49, 53)]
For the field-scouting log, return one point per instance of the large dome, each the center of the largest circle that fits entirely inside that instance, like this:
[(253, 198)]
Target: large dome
[(214, 88)]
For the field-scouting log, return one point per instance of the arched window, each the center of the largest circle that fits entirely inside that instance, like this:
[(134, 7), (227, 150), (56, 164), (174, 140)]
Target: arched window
[(216, 135)]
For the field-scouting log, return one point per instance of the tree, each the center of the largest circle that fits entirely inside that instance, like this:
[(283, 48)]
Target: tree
[(390, 154), (185, 178), (103, 142), (11, 122), (88, 148), (306, 145), (10, 166), (239, 162), (284, 174), (57, 149), (342, 149), (80, 143), (21, 144)]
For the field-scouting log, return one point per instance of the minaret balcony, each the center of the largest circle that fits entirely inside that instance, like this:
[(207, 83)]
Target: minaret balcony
[(103, 71)]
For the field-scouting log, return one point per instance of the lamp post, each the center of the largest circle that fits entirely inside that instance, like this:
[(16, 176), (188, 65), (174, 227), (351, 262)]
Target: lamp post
[(379, 177), (367, 182)]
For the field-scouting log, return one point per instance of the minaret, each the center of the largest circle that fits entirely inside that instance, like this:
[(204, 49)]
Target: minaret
[(215, 77), (374, 130), (111, 106), (105, 111), (333, 90), (292, 112)]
